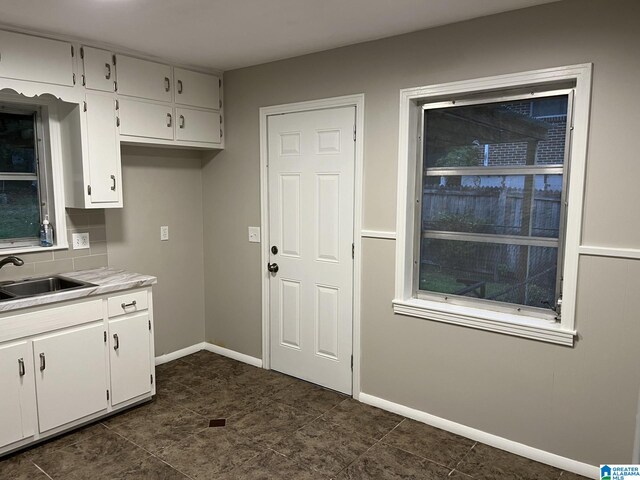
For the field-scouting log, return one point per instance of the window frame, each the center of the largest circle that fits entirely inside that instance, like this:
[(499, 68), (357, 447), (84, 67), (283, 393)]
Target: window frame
[(49, 170), (487, 317)]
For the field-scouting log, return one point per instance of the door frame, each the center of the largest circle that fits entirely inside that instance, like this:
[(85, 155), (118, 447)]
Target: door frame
[(357, 101)]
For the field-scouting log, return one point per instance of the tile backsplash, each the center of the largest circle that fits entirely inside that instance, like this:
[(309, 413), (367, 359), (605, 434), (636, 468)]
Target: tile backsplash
[(60, 261)]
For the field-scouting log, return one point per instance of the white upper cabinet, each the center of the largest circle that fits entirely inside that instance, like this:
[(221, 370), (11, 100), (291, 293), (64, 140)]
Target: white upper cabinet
[(197, 89), (197, 125), (24, 57), (146, 120), (103, 149), (144, 79), (99, 69)]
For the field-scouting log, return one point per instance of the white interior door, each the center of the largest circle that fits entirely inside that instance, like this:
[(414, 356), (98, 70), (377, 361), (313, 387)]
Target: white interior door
[(311, 164)]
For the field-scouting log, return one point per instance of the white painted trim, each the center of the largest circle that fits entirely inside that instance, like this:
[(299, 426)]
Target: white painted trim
[(170, 357), (241, 357), (632, 253), (357, 101), (408, 155), (378, 234), (487, 438), (492, 321)]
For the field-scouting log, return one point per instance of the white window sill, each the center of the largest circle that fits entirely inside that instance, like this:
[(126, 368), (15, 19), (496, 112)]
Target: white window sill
[(35, 249), (510, 324)]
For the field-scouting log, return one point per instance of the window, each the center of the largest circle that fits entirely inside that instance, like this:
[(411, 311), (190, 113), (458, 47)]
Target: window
[(488, 237), (492, 199), (27, 172), (20, 215)]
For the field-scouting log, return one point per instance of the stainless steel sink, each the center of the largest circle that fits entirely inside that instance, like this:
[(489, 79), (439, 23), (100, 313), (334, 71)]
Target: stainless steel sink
[(39, 286)]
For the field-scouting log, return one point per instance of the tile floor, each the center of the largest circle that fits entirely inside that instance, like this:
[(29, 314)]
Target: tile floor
[(277, 427)]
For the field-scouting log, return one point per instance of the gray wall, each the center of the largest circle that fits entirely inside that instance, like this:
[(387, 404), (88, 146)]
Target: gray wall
[(577, 402), (163, 187)]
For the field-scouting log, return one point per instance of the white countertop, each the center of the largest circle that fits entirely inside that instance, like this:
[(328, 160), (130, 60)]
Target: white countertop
[(106, 280)]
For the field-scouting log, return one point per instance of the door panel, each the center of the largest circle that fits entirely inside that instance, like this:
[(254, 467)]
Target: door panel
[(149, 120), (71, 375), (144, 79), (311, 194), (197, 89), (104, 148), (197, 126), (25, 57), (99, 70), (130, 357), (17, 412)]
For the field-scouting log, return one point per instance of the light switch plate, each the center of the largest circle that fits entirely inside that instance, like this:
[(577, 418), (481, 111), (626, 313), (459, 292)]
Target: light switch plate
[(80, 240), (254, 234), (164, 233)]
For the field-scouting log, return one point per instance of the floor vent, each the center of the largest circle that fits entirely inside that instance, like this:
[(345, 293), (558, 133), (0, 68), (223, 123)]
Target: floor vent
[(217, 422)]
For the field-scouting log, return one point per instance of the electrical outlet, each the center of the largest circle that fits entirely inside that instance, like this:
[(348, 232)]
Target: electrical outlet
[(164, 233), (254, 234), (80, 240)]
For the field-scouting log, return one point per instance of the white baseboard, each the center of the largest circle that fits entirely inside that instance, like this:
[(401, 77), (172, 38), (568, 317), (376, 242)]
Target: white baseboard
[(241, 357), (484, 437), (169, 357)]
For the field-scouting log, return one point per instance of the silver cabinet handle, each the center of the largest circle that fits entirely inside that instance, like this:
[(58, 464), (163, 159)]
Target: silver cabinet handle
[(21, 367), (181, 121), (113, 179), (167, 84), (43, 362), (108, 74), (126, 305), (117, 340), (179, 86), (169, 120)]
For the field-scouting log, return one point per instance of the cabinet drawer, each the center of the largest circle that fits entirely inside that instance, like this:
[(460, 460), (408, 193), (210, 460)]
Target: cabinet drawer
[(149, 120), (197, 126), (25, 57), (130, 302), (197, 89)]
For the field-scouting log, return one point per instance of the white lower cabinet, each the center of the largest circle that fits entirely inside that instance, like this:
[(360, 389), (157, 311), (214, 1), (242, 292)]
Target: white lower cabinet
[(66, 365), (129, 352), (17, 413), (71, 375)]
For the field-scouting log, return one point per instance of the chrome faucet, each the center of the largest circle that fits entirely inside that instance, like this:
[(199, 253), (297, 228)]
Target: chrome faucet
[(18, 262)]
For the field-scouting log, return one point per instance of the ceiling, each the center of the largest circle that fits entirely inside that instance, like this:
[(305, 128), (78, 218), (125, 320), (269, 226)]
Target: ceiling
[(228, 34)]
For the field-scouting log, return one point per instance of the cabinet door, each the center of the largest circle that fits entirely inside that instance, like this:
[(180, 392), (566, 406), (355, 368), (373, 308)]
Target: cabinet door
[(37, 59), (103, 149), (143, 79), (130, 357), (17, 414), (99, 70), (150, 120), (197, 89), (71, 375), (197, 126)]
